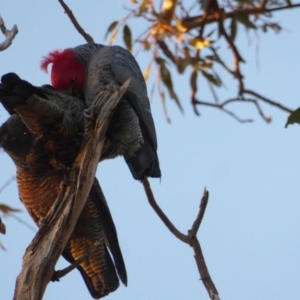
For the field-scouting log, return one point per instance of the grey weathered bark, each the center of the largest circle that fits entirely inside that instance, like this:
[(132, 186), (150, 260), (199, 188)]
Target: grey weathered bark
[(43, 252), (9, 35)]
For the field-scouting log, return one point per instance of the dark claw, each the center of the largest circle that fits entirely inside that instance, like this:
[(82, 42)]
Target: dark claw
[(55, 276)]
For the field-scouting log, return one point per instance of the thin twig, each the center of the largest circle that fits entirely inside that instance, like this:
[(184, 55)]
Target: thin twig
[(190, 239), (255, 102), (271, 102), (161, 214), (7, 183), (74, 21), (199, 218), (23, 222), (221, 62), (237, 56), (230, 113), (9, 34), (220, 106)]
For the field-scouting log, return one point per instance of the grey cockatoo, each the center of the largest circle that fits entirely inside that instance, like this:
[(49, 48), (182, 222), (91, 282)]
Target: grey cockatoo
[(43, 133), (92, 68)]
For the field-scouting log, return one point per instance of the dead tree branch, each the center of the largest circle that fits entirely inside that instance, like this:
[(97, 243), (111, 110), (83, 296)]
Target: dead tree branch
[(190, 239), (74, 21), (43, 252), (9, 35)]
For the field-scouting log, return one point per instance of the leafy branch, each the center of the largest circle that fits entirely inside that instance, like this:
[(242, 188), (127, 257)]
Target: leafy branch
[(191, 43)]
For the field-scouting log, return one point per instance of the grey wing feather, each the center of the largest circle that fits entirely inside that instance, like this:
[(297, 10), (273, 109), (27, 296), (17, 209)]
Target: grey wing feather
[(123, 66)]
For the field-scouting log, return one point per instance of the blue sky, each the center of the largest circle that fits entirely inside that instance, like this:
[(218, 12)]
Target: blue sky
[(250, 232)]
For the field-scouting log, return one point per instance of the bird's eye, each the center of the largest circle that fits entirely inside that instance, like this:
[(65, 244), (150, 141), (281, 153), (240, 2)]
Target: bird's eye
[(72, 81)]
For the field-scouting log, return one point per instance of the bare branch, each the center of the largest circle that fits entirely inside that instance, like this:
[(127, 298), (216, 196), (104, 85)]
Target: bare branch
[(202, 268), (201, 212), (161, 214), (255, 102), (220, 106), (271, 102), (9, 35), (74, 21), (190, 239), (43, 252)]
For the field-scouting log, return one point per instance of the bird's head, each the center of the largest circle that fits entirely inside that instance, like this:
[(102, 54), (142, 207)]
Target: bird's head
[(67, 73)]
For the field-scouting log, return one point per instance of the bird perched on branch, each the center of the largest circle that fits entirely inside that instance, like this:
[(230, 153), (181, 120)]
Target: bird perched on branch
[(92, 68), (43, 136)]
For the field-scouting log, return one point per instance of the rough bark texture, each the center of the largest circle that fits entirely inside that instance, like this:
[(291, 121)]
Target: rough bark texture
[(43, 252)]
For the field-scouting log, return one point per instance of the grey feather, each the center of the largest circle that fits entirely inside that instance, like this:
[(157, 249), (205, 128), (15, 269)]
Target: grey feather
[(132, 129)]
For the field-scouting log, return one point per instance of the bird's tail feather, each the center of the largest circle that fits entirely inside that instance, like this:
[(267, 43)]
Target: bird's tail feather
[(144, 163)]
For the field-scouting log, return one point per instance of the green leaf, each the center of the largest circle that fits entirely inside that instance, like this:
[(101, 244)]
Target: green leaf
[(111, 27), (114, 36), (167, 80), (147, 46), (142, 8), (193, 81), (200, 43), (147, 72), (233, 29), (181, 64), (166, 77), (160, 61), (293, 118), (213, 79), (163, 101), (127, 38), (244, 19)]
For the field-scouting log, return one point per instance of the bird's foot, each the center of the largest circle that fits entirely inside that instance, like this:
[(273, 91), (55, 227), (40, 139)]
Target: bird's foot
[(55, 276)]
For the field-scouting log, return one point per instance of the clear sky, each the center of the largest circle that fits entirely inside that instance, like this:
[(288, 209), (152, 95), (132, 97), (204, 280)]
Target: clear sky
[(250, 233)]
